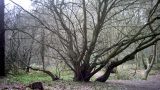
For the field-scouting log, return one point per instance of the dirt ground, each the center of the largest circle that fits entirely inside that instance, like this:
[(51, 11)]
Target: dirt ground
[(153, 83)]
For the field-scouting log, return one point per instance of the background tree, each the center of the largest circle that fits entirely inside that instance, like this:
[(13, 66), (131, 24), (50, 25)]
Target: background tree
[(22, 52)]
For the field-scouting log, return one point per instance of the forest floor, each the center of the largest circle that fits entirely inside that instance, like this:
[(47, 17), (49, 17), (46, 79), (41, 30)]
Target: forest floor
[(153, 83)]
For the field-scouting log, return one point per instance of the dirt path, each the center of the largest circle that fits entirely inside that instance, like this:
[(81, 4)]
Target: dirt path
[(153, 83)]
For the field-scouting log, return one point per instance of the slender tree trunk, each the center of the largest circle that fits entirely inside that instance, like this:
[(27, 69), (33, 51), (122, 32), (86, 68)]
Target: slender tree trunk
[(43, 48), (150, 63), (27, 68), (2, 39), (143, 62)]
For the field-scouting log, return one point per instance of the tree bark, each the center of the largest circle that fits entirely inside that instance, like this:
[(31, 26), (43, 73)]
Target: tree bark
[(144, 64), (82, 74), (42, 52), (2, 39), (150, 63)]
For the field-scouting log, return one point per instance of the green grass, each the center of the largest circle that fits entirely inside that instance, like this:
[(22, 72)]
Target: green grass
[(33, 76), (65, 73), (26, 78)]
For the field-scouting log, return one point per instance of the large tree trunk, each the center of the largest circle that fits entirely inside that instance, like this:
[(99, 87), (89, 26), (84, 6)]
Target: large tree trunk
[(82, 73), (2, 39), (81, 77), (78, 76)]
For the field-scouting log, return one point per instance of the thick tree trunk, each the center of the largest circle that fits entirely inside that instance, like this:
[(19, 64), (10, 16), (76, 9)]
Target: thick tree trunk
[(2, 39), (81, 79), (82, 74)]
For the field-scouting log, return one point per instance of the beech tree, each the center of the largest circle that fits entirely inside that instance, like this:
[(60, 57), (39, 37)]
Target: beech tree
[(89, 35)]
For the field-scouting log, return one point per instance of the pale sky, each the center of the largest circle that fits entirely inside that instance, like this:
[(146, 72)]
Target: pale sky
[(26, 4)]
